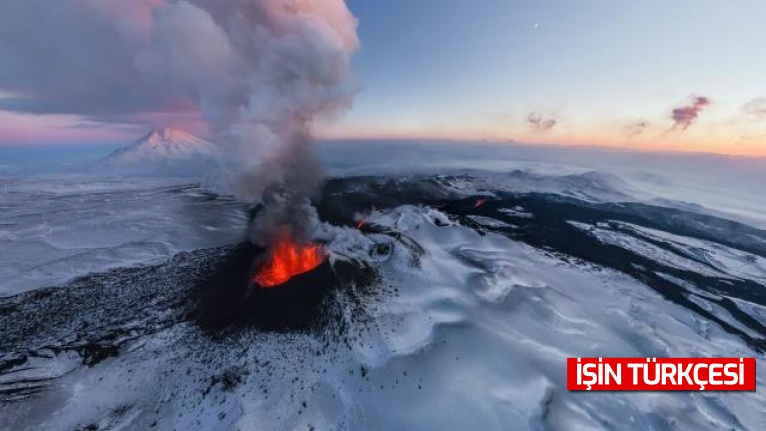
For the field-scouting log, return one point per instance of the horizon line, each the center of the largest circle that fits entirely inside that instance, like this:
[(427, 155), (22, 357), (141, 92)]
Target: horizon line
[(466, 140)]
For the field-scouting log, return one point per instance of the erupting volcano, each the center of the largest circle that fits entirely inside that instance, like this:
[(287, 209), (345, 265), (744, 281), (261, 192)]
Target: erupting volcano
[(290, 282), (287, 259)]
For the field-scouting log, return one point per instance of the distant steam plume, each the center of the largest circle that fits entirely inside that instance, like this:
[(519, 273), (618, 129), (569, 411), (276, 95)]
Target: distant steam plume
[(258, 72), (539, 124), (685, 116)]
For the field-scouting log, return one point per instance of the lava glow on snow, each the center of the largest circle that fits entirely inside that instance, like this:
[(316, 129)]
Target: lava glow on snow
[(286, 260)]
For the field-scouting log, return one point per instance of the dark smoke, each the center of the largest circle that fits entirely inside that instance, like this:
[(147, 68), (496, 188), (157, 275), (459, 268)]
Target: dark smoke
[(287, 186), (685, 116), (539, 124)]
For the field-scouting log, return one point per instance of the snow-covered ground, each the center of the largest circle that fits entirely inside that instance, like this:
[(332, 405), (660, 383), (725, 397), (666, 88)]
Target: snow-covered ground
[(476, 336), (57, 227)]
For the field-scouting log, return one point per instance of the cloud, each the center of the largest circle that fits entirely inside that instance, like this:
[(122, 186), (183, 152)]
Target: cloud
[(127, 58), (634, 129), (177, 118), (685, 116), (540, 124), (755, 107), (75, 57)]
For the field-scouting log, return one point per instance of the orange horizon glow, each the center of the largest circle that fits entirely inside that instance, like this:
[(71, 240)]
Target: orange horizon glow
[(30, 130), (683, 143)]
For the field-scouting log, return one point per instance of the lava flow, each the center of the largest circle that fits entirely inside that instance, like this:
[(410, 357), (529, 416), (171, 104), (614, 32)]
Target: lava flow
[(286, 260)]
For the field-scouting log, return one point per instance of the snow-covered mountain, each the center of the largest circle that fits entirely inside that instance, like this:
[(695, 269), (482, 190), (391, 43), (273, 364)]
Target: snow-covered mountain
[(466, 323), (161, 152)]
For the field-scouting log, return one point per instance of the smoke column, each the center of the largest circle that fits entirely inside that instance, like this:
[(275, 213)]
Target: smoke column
[(263, 70)]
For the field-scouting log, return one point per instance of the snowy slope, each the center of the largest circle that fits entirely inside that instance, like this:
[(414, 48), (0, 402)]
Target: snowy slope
[(161, 152), (53, 229), (476, 337)]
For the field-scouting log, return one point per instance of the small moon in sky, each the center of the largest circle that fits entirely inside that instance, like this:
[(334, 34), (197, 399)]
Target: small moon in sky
[(536, 25)]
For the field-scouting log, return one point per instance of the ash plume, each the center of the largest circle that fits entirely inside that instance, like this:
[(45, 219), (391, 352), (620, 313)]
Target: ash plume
[(540, 124), (685, 116), (261, 79), (258, 72)]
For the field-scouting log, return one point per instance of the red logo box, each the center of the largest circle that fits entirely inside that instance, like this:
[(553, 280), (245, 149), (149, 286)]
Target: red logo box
[(661, 374)]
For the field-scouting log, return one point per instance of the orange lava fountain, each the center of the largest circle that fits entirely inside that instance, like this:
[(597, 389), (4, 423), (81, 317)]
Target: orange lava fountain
[(286, 260)]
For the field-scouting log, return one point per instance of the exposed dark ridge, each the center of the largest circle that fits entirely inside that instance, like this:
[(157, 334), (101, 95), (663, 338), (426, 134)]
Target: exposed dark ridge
[(680, 222)]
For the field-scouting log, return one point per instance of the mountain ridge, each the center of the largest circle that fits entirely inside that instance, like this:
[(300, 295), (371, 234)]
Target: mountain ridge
[(164, 151)]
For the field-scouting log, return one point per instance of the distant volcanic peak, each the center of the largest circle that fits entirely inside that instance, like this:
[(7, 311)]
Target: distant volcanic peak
[(167, 142), (161, 152), (165, 136)]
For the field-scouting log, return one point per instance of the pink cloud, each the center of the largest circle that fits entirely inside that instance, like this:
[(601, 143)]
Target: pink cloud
[(22, 129), (685, 116)]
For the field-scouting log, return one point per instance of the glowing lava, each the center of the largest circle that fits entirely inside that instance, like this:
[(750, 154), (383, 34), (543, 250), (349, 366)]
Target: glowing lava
[(286, 260)]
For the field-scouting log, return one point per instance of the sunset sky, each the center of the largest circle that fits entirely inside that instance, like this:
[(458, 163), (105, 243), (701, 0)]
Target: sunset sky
[(685, 75)]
